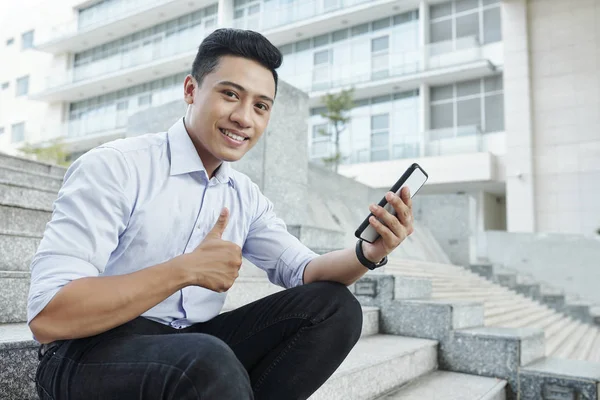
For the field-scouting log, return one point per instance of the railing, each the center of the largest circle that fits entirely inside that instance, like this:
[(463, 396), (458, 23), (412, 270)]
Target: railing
[(113, 119), (457, 140), (398, 64), (115, 11), (439, 142), (271, 17), (178, 43)]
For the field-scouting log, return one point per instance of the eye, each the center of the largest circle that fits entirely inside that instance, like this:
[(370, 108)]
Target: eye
[(262, 106), (229, 93)]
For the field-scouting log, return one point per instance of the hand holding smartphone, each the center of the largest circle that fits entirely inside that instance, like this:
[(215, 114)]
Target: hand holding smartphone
[(414, 178)]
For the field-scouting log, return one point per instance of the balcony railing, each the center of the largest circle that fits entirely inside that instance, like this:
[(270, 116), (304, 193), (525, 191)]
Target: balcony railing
[(113, 12), (271, 17), (151, 51), (439, 142), (392, 65)]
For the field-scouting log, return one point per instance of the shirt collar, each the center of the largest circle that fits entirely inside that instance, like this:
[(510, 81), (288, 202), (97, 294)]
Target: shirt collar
[(184, 157)]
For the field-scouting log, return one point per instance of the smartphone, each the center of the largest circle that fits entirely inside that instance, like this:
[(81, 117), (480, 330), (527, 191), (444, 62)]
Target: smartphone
[(414, 177)]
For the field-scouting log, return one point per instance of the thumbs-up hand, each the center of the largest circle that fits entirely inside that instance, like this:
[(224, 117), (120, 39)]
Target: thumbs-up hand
[(215, 263)]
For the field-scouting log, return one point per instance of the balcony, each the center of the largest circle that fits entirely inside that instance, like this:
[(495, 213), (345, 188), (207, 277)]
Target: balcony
[(152, 60), (435, 64), (450, 141), (120, 19), (310, 18)]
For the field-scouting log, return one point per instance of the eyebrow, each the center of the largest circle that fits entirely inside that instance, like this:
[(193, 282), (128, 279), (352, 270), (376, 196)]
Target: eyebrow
[(243, 89)]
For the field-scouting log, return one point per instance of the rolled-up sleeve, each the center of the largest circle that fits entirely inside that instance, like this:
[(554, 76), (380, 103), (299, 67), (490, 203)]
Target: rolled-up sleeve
[(272, 248), (89, 215)]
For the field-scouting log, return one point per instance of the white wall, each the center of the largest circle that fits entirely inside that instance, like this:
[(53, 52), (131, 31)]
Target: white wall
[(565, 86)]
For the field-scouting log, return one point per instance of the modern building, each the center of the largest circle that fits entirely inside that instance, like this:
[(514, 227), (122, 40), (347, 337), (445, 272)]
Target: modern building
[(496, 99)]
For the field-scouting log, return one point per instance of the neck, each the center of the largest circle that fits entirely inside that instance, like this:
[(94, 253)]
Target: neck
[(210, 162)]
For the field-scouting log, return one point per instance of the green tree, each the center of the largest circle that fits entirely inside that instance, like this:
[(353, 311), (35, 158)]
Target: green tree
[(337, 107), (54, 152)]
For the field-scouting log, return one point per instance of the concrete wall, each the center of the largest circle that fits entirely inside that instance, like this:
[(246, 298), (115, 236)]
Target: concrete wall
[(567, 262)]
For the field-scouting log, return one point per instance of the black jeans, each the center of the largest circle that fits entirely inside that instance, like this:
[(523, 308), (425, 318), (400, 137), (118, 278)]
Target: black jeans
[(284, 346)]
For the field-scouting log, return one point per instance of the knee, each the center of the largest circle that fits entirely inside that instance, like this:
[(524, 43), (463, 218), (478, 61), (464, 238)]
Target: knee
[(213, 367), (347, 308)]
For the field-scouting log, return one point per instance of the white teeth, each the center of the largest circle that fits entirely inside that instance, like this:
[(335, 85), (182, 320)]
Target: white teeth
[(233, 136)]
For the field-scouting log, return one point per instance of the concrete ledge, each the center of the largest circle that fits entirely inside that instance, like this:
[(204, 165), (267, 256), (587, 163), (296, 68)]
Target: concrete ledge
[(412, 288), (13, 296), (553, 300), (552, 378), (531, 290), (27, 220), (495, 352), (17, 373), (485, 270), (31, 165), (506, 279), (42, 181), (26, 197), (17, 251)]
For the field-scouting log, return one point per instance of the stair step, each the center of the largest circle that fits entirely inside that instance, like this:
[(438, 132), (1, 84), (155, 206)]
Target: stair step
[(524, 312), (557, 326), (595, 353), (26, 220), (444, 385), (571, 341), (556, 341), (18, 195), (37, 167), (378, 364), (13, 296), (531, 320), (42, 181), (584, 350), (17, 250)]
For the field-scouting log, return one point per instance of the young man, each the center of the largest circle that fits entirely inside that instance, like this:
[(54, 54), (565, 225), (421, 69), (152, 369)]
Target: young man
[(147, 236)]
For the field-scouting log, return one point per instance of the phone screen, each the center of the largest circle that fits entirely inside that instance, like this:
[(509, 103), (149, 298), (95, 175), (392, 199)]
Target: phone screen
[(414, 178)]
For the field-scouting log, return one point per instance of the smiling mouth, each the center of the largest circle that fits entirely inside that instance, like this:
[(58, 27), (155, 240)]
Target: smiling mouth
[(233, 135)]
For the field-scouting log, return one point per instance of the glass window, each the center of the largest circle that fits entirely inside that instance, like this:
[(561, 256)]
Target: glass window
[(466, 5), (321, 40), (318, 110), (467, 25), (490, 2), (381, 99), (442, 116), (303, 45), (321, 57), (1, 130), (442, 92), (287, 49), (239, 13), (468, 112), (254, 9), (379, 140), (145, 100), (468, 88), (22, 86), (4, 85), (494, 113), (440, 10), (361, 102), (441, 31), (10, 41), (380, 44), (359, 29), (380, 155), (339, 35), (492, 25), (403, 18), (493, 83), (380, 122), (18, 132), (320, 132), (381, 24), (27, 40)]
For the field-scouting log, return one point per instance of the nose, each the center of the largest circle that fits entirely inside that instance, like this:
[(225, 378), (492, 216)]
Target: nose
[(241, 115)]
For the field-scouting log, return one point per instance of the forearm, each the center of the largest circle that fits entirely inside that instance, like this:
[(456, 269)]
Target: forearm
[(89, 306), (338, 266)]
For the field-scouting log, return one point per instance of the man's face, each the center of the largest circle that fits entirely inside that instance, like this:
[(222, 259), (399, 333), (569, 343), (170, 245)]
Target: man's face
[(230, 110)]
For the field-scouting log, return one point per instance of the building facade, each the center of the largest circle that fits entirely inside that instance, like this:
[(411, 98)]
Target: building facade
[(466, 88)]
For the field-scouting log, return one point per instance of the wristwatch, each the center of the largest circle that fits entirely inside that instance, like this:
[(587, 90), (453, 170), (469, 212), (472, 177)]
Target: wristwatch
[(364, 261)]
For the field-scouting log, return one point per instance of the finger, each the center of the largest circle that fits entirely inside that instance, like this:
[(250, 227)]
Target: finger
[(403, 212), (389, 220), (391, 241), (219, 228), (405, 195)]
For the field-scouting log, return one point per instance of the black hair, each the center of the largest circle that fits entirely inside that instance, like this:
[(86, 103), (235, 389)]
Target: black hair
[(235, 42)]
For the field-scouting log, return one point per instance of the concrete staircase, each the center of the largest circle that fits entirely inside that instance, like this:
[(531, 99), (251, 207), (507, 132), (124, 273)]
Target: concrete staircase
[(380, 366), (566, 337)]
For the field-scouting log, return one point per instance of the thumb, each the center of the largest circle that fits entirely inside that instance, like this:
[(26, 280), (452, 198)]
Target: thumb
[(221, 224)]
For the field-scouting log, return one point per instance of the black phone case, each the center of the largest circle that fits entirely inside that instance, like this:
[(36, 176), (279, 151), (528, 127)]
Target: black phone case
[(394, 189)]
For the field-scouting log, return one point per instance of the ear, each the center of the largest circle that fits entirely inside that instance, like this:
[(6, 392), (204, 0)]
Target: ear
[(189, 89)]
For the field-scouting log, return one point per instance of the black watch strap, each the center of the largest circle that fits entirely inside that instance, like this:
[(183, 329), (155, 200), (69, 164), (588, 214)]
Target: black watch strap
[(364, 261)]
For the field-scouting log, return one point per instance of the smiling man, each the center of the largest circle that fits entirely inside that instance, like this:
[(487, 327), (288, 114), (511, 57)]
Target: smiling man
[(147, 236)]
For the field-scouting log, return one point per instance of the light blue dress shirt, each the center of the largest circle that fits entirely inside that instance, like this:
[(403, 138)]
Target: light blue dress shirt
[(137, 202)]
